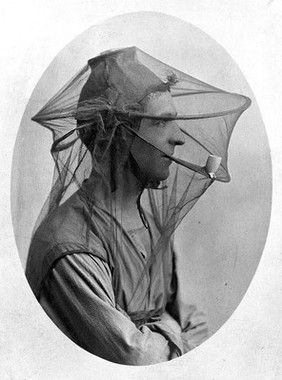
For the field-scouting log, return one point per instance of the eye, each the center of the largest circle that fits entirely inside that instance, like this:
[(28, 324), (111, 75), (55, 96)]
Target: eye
[(159, 123)]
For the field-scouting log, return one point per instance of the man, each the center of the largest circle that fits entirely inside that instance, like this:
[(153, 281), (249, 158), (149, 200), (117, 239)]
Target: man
[(102, 263)]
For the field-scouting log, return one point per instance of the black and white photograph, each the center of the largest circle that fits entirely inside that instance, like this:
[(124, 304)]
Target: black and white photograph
[(142, 184)]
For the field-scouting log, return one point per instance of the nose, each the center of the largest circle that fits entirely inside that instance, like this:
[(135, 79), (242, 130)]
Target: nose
[(177, 136)]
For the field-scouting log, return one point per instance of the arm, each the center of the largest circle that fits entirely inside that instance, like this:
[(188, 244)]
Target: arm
[(192, 322), (78, 297)]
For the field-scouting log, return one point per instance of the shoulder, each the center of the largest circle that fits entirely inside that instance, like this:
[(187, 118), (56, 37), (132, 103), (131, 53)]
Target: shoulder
[(67, 227), (66, 231)]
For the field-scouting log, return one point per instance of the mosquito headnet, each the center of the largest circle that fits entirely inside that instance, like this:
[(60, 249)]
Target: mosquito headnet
[(95, 117)]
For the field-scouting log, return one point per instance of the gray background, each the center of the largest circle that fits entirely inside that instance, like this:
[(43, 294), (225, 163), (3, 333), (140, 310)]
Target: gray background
[(221, 240), (249, 344)]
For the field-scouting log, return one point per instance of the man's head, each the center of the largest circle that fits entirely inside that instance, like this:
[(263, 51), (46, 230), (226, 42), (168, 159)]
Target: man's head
[(122, 83), (162, 136)]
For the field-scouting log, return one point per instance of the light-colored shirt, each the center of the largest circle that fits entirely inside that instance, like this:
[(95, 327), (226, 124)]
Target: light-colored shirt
[(107, 294)]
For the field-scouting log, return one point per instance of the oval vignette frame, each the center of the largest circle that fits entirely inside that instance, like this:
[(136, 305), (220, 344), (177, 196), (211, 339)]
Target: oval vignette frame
[(221, 241)]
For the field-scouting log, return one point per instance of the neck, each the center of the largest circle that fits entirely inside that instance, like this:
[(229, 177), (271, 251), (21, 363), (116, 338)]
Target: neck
[(123, 200), (126, 201), (127, 193)]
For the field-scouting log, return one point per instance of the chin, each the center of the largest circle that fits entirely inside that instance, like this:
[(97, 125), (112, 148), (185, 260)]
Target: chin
[(155, 177), (165, 174), (155, 182), (161, 176)]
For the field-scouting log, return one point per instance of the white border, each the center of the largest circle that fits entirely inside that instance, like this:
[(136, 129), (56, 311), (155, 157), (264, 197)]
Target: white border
[(249, 344)]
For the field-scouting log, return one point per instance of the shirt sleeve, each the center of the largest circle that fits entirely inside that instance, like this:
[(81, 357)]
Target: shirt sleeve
[(78, 297), (192, 323)]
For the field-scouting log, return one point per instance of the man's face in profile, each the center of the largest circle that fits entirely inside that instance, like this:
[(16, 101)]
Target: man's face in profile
[(163, 134)]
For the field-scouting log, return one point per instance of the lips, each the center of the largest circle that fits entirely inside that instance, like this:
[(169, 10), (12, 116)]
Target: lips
[(167, 155), (166, 159)]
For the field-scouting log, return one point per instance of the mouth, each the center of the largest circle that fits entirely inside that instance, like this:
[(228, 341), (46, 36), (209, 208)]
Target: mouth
[(167, 158)]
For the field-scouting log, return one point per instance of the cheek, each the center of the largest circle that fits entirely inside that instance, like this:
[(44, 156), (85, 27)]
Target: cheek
[(154, 135), (145, 155)]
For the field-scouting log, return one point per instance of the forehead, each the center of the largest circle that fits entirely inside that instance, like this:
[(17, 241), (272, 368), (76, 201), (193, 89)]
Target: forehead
[(159, 104)]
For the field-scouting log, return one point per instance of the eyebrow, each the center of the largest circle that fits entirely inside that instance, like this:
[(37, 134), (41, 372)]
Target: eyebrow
[(168, 114)]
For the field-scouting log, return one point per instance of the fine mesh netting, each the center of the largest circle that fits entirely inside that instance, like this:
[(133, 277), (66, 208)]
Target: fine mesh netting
[(96, 119)]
